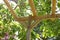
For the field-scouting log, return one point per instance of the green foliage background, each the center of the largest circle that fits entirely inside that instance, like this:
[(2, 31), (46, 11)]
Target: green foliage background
[(47, 27)]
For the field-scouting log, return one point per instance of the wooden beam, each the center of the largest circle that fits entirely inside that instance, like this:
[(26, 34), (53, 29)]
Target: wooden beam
[(15, 7), (53, 7), (13, 13), (33, 7)]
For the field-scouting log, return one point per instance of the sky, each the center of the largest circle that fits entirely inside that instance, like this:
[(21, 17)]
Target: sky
[(1, 2)]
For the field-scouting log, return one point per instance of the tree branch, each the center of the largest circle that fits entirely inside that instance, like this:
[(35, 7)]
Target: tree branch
[(53, 7), (33, 7), (10, 8), (14, 14), (39, 18), (15, 7)]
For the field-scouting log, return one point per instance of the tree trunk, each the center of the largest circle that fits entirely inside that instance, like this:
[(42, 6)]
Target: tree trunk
[(29, 29), (28, 34)]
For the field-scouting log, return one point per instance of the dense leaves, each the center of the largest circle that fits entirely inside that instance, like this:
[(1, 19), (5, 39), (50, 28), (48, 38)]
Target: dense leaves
[(47, 28)]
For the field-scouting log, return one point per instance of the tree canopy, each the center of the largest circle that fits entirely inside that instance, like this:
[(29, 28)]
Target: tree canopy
[(48, 27)]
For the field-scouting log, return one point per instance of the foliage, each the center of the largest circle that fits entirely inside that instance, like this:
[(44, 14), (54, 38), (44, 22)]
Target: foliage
[(47, 27)]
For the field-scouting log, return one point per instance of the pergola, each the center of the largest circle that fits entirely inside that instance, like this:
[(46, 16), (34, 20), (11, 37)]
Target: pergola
[(34, 18)]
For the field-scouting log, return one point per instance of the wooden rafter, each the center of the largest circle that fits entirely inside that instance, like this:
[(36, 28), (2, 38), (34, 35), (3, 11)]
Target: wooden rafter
[(14, 14), (32, 7), (53, 7)]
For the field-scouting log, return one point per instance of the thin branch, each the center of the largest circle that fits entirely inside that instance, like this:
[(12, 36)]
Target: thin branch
[(33, 7), (13, 13), (15, 7), (53, 7), (10, 8)]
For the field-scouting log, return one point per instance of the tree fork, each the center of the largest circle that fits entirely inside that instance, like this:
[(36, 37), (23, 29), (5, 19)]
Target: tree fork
[(29, 28)]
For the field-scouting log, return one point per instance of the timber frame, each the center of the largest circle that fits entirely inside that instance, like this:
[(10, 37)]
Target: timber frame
[(34, 17)]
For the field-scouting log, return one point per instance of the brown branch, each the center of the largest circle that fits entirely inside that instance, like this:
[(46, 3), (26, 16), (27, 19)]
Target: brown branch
[(13, 13), (33, 7), (22, 19), (10, 8), (43, 17), (53, 7)]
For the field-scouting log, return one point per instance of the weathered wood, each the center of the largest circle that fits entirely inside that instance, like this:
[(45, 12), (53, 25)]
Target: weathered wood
[(32, 7), (10, 8)]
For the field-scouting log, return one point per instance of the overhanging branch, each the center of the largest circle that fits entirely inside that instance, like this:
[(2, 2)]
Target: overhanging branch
[(10, 8)]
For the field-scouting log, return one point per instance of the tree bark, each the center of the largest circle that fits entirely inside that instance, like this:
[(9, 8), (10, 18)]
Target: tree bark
[(28, 34), (29, 29)]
